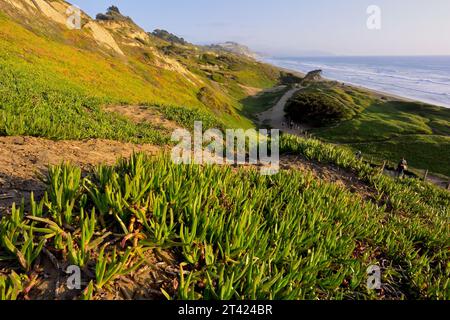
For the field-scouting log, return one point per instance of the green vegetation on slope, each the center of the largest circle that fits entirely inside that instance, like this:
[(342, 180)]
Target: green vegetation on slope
[(237, 234), (384, 130), (326, 103), (57, 63), (291, 236), (392, 130), (386, 120), (28, 107), (33, 106), (63, 61)]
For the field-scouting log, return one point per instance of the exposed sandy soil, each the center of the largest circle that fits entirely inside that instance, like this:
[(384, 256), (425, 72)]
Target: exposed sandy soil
[(102, 36), (21, 5), (24, 159), (139, 114), (251, 91)]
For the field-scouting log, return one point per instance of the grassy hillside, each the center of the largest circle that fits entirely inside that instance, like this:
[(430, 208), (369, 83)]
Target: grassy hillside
[(56, 63), (384, 130), (64, 62), (423, 151), (326, 103)]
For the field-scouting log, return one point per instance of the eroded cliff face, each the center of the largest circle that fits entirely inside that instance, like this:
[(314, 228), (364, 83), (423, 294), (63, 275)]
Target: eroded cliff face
[(125, 30), (103, 37), (24, 6), (235, 48), (59, 12)]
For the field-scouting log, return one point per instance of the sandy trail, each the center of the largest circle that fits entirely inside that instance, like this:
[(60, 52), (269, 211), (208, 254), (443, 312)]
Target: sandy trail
[(275, 117)]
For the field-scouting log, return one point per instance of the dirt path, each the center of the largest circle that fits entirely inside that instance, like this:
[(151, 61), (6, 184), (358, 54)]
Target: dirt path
[(24, 159), (275, 117)]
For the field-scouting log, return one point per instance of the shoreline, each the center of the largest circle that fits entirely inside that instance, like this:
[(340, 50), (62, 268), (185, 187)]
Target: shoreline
[(377, 93)]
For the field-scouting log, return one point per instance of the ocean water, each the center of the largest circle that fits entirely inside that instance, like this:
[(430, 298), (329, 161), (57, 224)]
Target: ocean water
[(425, 79)]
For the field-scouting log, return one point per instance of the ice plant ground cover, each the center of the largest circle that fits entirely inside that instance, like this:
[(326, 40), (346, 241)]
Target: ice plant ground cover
[(233, 233)]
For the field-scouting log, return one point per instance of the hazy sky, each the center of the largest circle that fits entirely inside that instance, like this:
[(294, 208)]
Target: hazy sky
[(297, 27)]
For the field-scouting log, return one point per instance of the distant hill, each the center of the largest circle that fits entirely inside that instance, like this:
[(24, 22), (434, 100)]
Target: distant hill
[(235, 48)]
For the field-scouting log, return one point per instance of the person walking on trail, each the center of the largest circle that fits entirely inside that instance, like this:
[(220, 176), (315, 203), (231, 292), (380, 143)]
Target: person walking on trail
[(402, 167)]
